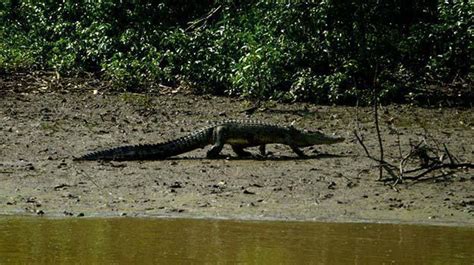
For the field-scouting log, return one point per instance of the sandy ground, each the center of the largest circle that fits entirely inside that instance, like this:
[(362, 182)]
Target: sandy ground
[(45, 124)]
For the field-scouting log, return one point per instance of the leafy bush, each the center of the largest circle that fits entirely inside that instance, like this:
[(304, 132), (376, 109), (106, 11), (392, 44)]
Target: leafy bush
[(325, 52)]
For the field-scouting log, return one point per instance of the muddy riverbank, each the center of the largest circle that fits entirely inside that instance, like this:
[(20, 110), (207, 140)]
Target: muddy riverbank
[(44, 127)]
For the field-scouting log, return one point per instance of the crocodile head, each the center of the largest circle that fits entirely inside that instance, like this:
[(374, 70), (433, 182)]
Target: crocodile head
[(307, 138)]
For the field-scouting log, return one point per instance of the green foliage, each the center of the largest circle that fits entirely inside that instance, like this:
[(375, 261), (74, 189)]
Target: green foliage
[(326, 52), (15, 53)]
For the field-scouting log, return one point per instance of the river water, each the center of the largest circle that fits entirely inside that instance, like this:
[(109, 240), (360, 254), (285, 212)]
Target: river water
[(30, 240)]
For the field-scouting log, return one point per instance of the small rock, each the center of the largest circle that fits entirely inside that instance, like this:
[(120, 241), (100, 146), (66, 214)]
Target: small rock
[(248, 192), (332, 185), (221, 183), (61, 187), (328, 196), (176, 185), (31, 200)]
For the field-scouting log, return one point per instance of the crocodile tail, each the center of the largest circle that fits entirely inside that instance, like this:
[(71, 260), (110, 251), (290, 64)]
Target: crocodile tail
[(152, 151), (131, 152)]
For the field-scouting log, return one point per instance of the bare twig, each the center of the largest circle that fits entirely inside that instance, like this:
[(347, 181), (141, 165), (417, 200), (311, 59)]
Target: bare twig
[(420, 168), (441, 166), (356, 132), (452, 159), (376, 121), (413, 151), (442, 175), (359, 139), (389, 168), (400, 153), (193, 24), (382, 164)]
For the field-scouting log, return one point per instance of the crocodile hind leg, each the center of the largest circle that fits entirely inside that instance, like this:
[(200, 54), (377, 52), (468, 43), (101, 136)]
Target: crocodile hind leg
[(218, 139), (297, 150), (262, 150), (239, 150)]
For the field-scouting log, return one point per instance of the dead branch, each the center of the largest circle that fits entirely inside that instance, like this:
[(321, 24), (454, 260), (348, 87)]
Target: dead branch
[(361, 142), (376, 120), (431, 159), (441, 166), (194, 24), (429, 164), (452, 159)]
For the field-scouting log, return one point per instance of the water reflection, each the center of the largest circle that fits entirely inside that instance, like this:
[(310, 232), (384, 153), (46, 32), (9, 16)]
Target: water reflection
[(135, 240)]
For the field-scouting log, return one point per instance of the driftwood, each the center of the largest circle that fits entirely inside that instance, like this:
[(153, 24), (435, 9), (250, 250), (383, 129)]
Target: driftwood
[(430, 158)]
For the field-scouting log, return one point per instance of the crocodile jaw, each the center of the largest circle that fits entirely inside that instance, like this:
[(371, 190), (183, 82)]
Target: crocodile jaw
[(317, 138)]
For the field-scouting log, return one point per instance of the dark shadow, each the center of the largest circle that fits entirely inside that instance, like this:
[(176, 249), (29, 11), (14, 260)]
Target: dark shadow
[(231, 158), (270, 158), (297, 112)]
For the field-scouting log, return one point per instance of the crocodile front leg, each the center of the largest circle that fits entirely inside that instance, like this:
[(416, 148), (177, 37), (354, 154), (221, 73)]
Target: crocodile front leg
[(289, 141)]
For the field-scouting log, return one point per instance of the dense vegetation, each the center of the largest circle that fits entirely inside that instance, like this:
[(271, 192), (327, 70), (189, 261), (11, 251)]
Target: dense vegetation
[(329, 51)]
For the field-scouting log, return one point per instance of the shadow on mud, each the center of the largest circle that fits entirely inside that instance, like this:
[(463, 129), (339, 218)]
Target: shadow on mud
[(232, 158), (260, 158)]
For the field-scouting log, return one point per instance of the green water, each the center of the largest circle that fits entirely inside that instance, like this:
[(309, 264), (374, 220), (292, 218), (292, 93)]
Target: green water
[(180, 241)]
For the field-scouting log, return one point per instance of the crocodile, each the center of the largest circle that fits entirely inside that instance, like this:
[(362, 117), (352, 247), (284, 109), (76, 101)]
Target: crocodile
[(239, 134)]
